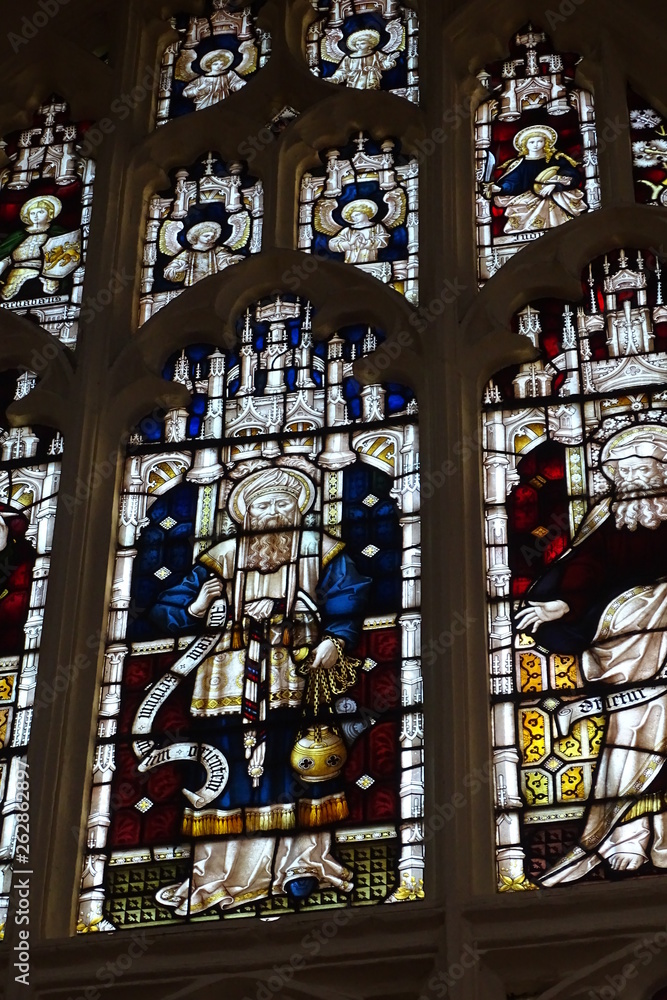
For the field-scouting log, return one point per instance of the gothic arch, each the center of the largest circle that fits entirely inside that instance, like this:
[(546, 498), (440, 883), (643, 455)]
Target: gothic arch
[(57, 68), (554, 268), (211, 306)]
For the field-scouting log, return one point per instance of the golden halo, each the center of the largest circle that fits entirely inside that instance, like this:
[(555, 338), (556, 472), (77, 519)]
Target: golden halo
[(303, 489), (547, 133), (369, 209), (646, 441), (362, 35), (55, 204), (207, 61)]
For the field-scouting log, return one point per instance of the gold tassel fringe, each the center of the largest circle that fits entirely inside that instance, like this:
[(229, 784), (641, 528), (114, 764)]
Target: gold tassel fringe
[(269, 818), (318, 812), (211, 824)]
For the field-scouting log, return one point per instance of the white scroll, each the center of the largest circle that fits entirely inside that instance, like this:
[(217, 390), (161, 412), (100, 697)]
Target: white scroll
[(212, 760), (573, 711)]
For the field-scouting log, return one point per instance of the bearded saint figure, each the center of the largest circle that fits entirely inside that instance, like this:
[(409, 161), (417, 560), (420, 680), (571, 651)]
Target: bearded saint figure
[(538, 191), (293, 597), (606, 600), (364, 66)]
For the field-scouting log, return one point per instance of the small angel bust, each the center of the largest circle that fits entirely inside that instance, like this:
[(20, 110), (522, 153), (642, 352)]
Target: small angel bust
[(219, 80), (363, 238), (363, 66), (205, 257)]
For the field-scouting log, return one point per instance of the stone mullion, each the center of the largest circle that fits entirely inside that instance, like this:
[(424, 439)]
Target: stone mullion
[(613, 126), (86, 522)]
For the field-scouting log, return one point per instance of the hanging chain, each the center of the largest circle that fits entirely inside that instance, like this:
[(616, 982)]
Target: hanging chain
[(324, 683)]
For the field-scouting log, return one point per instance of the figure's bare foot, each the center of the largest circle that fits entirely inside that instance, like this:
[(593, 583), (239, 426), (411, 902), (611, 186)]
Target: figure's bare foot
[(622, 862)]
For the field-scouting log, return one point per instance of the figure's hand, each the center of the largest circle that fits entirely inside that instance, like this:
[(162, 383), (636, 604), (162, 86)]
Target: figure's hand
[(538, 612), (546, 190), (4, 534), (326, 655), (210, 591)]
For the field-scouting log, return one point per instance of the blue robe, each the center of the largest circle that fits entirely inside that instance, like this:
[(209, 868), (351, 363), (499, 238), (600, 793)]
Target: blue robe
[(522, 177), (341, 599)]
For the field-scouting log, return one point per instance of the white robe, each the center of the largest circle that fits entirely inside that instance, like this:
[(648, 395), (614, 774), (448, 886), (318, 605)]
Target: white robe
[(629, 648)]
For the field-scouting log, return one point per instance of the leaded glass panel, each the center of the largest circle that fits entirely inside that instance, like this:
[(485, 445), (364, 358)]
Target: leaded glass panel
[(214, 57), (362, 208), (260, 730), (367, 45), (575, 467), (648, 130), (46, 195), (29, 480), (209, 219), (536, 150)]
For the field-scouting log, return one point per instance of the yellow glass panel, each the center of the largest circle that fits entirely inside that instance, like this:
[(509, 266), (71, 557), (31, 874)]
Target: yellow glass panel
[(4, 716), (533, 736), (572, 784), (536, 788), (531, 672), (569, 746), (565, 671), (7, 687), (595, 733)]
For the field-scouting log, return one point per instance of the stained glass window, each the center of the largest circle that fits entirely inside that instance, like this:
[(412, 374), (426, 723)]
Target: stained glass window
[(29, 481), (536, 150), (209, 219), (575, 460), (260, 728), (649, 151), (214, 57), (361, 207), (46, 196), (366, 44)]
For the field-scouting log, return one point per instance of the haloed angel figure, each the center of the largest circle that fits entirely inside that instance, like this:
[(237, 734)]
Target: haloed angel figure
[(44, 251), (362, 238), (363, 67), (540, 189), (218, 79), (205, 255)]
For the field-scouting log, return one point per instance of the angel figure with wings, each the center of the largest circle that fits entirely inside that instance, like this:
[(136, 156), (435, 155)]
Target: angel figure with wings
[(365, 63), (219, 80), (362, 238), (205, 257)]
